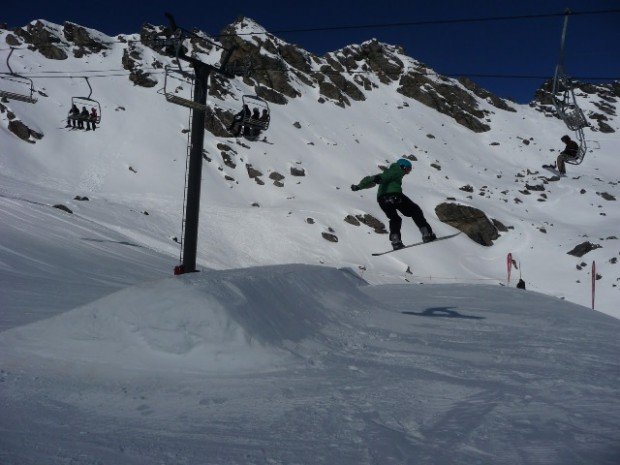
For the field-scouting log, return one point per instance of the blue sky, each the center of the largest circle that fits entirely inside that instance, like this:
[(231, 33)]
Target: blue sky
[(520, 47)]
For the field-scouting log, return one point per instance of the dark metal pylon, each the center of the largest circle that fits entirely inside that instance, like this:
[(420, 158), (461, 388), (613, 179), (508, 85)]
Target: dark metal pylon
[(194, 172)]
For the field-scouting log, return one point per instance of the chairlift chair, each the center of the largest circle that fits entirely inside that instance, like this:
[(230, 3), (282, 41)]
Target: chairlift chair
[(566, 104), (176, 80), (16, 87), (88, 103), (252, 102)]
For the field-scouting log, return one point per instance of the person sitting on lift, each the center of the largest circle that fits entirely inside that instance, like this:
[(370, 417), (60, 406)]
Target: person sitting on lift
[(93, 118), (264, 118), (74, 113), (571, 150), (252, 130), (83, 117), (237, 122)]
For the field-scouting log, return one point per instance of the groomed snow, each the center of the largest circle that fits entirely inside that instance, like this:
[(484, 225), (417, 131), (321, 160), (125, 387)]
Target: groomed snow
[(307, 364)]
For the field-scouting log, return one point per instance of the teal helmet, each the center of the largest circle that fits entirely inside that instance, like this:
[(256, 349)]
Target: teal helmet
[(404, 164)]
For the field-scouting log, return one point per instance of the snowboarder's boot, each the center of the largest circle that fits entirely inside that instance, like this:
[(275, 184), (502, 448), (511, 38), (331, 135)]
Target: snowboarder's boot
[(427, 234), (396, 242)]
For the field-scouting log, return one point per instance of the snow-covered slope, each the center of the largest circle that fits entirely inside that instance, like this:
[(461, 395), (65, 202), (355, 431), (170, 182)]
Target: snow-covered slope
[(307, 364), (265, 357), (134, 163)]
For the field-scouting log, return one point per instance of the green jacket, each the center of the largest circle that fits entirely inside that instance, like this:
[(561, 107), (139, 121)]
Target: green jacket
[(390, 181)]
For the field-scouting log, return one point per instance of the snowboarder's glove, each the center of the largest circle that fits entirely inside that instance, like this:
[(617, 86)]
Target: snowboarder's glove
[(354, 187), (377, 179)]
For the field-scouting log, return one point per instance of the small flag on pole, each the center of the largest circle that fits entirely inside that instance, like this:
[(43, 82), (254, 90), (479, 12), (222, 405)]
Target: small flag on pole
[(593, 282), (509, 265)]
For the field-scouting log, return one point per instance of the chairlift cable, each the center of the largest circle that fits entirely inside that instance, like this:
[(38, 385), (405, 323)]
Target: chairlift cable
[(429, 22), (390, 25)]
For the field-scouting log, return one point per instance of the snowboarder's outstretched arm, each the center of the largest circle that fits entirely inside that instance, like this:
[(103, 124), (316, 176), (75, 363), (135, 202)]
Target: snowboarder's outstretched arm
[(392, 173)]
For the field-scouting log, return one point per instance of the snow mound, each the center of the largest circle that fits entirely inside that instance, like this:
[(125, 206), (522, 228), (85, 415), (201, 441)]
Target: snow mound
[(232, 320)]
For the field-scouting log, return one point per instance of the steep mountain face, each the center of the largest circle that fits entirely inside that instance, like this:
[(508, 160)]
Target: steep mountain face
[(347, 75), (284, 197)]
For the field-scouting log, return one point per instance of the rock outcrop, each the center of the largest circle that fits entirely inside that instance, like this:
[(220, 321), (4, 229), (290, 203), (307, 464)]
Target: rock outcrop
[(469, 220)]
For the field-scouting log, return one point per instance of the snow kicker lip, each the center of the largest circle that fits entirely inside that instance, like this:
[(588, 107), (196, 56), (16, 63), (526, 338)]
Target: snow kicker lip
[(246, 319)]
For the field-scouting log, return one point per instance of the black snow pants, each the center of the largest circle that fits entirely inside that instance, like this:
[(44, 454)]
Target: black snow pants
[(391, 204)]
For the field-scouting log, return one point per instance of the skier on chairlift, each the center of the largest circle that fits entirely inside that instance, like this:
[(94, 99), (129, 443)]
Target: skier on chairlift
[(571, 150), (237, 122), (74, 113), (93, 117), (83, 116), (392, 200), (252, 130)]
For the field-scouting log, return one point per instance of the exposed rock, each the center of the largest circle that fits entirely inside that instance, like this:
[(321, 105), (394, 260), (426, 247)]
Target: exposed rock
[(372, 222), (380, 58), (12, 40), (604, 127), (217, 121), (499, 225), (43, 39), (310, 220), (537, 187), (295, 57), (486, 95), (583, 248), (329, 237), (351, 220), (81, 199), (606, 196), (271, 95), (132, 61), (252, 172), (64, 208), (80, 37), (22, 131), (276, 176), (297, 125), (343, 84), (467, 188), (297, 171), (270, 72), (332, 92), (445, 98), (469, 220), (228, 160)]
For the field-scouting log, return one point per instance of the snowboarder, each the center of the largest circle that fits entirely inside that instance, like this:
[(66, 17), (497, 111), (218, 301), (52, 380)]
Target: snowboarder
[(571, 150), (73, 115), (392, 200)]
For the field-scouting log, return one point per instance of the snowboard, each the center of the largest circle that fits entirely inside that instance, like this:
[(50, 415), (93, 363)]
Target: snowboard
[(553, 170), (417, 243)]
